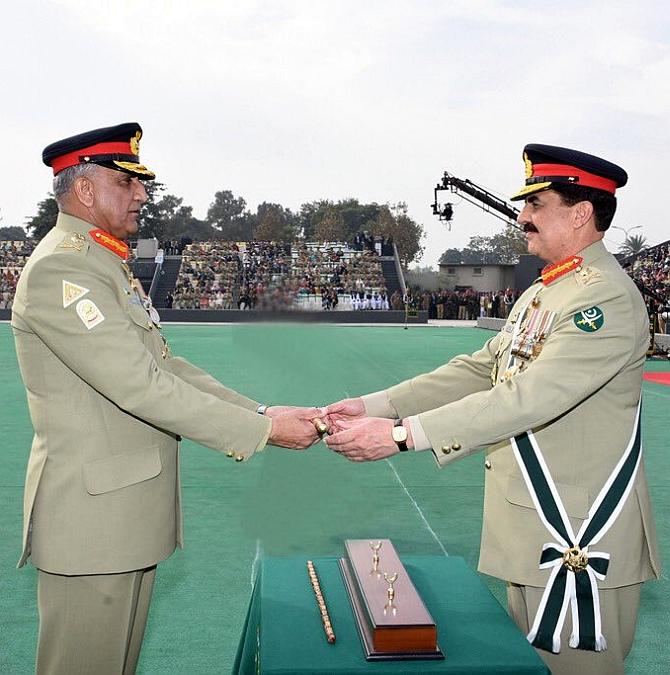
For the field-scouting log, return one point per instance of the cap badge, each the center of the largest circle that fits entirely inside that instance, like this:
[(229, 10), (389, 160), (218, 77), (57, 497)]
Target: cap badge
[(528, 165), (135, 143)]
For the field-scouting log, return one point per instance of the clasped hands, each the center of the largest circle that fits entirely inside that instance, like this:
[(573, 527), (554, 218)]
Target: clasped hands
[(350, 432)]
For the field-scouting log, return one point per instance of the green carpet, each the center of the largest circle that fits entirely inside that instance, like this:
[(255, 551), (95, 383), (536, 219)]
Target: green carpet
[(296, 503)]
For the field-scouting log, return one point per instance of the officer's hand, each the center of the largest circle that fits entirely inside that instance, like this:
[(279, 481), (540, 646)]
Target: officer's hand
[(296, 428), (363, 440), (276, 410), (346, 410)]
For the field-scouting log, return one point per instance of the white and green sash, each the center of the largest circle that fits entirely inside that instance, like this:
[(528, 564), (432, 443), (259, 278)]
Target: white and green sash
[(574, 568)]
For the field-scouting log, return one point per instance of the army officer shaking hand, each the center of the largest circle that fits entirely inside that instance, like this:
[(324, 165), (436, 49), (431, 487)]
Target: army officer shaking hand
[(554, 399), (109, 403)]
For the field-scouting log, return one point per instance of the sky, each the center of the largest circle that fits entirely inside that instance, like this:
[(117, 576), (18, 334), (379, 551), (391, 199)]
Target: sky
[(292, 101)]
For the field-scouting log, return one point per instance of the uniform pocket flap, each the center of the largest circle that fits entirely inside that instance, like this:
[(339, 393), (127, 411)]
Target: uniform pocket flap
[(119, 471), (574, 498)]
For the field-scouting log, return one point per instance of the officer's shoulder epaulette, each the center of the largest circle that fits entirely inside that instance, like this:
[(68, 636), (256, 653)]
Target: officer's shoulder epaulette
[(587, 275), (73, 242)]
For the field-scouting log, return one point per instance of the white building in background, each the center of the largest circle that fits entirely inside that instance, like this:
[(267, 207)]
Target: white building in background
[(480, 277)]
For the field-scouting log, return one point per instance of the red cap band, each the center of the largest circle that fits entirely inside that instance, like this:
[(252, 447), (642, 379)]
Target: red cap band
[(72, 158), (586, 179)]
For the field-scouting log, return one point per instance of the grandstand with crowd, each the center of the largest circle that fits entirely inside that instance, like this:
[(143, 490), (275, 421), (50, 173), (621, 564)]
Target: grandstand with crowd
[(364, 275)]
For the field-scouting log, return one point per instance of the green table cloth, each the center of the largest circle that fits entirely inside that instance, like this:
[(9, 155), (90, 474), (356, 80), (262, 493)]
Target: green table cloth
[(283, 632)]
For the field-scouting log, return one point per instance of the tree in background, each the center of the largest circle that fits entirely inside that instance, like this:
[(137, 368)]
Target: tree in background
[(393, 221), (451, 255), (47, 212), (502, 248), (356, 217), (227, 215), (331, 227), (310, 215), (185, 224), (510, 244), (164, 216), (633, 244), (157, 212), (273, 222), (12, 233)]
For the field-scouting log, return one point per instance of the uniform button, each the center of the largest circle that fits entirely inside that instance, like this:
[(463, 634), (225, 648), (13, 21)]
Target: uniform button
[(239, 458), (230, 453), (149, 324), (456, 446), (487, 464), (446, 449)]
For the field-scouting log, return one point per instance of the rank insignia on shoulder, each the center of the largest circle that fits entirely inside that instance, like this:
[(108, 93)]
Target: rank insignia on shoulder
[(72, 292), (587, 274), (74, 242), (89, 313), (590, 320)]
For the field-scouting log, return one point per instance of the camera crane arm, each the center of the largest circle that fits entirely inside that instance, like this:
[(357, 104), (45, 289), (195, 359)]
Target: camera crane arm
[(476, 195)]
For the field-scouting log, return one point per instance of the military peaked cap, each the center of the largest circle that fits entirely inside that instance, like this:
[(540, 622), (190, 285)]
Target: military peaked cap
[(550, 164), (115, 147)]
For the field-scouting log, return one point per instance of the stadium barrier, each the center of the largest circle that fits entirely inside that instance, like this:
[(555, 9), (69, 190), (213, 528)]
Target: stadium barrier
[(300, 316), (490, 323)]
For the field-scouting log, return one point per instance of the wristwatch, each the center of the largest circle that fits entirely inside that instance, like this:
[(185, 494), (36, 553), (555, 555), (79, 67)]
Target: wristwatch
[(399, 434)]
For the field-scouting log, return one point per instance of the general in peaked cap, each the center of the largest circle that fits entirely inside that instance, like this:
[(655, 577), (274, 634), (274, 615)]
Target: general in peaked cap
[(547, 165), (116, 147)]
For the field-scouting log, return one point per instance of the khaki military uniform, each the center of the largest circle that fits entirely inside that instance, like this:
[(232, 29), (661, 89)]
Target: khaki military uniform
[(576, 384), (108, 403)]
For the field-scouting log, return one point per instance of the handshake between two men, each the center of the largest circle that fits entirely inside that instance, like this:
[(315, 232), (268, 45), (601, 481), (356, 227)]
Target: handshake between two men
[(343, 426)]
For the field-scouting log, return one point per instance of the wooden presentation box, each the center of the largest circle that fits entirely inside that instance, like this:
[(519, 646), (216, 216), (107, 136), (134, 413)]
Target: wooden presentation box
[(403, 629)]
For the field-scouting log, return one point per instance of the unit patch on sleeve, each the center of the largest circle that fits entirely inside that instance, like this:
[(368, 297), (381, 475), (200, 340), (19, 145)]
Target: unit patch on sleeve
[(89, 313), (590, 320), (72, 292)]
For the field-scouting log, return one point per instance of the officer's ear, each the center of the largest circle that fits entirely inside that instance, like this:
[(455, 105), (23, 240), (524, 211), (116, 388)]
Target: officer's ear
[(582, 214), (83, 189)]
